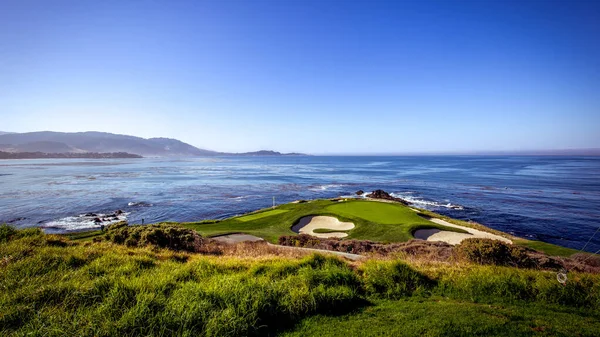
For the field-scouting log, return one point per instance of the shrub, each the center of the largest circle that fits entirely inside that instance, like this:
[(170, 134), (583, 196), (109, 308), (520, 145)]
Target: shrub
[(439, 251), (493, 252), (8, 233), (393, 279), (161, 235)]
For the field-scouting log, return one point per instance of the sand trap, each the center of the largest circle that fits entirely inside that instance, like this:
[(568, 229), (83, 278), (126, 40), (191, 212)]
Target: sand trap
[(308, 224), (235, 238), (452, 237)]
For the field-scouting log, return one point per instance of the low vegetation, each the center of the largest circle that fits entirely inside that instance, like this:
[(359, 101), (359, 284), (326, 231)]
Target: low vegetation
[(488, 251), (52, 286), (161, 235)]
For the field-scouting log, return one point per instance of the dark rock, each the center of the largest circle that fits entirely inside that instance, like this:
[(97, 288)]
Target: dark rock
[(360, 192), (91, 214), (381, 194), (15, 220), (118, 212), (97, 220)]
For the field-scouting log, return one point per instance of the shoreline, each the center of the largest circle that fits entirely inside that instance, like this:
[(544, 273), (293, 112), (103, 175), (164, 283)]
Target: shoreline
[(474, 229)]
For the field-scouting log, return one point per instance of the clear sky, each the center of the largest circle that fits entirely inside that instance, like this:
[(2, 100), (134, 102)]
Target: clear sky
[(310, 76)]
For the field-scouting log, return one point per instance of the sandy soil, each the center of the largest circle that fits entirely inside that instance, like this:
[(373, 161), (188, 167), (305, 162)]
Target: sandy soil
[(235, 238), (452, 237), (308, 224)]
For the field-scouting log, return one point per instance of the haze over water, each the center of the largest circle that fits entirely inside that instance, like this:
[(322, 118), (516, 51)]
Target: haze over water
[(553, 199)]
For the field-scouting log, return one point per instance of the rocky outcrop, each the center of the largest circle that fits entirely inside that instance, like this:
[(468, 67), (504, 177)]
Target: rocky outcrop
[(381, 194), (360, 192)]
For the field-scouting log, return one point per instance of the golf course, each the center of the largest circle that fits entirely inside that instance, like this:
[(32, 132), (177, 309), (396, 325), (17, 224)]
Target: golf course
[(373, 220)]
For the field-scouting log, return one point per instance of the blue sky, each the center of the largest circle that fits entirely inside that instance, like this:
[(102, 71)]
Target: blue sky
[(309, 76)]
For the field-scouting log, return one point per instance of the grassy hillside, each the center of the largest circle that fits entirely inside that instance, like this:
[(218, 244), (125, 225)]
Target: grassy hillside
[(52, 286)]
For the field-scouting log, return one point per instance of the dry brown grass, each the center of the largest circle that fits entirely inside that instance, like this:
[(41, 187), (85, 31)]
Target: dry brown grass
[(251, 250)]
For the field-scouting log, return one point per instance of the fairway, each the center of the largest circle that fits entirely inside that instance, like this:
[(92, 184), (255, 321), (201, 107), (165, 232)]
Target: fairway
[(261, 215), (378, 212)]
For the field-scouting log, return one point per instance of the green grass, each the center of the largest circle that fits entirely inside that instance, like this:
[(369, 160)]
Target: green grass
[(84, 236), (261, 215), (52, 286), (376, 212), (547, 248), (438, 316), (377, 221)]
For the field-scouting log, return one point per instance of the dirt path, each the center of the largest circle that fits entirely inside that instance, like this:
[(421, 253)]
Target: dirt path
[(350, 256), (236, 238)]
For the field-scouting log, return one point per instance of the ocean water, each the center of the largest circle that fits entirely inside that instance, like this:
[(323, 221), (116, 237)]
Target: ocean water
[(552, 199)]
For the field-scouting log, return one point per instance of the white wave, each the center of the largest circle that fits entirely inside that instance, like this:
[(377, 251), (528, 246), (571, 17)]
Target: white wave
[(85, 221), (378, 163), (139, 204), (241, 198), (320, 188), (427, 203)]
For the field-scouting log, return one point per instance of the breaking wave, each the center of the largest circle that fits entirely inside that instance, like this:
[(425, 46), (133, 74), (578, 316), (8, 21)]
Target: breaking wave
[(418, 201), (86, 221)]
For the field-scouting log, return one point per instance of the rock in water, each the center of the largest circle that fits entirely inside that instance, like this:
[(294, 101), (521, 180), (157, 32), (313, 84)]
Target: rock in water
[(381, 194), (360, 192)]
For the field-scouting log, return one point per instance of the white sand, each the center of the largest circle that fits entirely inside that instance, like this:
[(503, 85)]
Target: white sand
[(308, 224), (452, 237)]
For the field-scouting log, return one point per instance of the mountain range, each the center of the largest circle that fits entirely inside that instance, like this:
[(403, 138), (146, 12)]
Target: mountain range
[(103, 142)]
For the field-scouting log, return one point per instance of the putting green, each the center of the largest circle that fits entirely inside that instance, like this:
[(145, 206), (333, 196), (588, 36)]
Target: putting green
[(378, 212)]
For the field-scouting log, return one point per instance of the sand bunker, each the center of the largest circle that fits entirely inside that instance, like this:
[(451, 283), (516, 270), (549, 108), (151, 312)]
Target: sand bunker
[(235, 238), (308, 224), (452, 237)]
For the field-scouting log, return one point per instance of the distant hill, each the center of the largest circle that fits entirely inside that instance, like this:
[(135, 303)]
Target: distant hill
[(103, 142), (45, 155)]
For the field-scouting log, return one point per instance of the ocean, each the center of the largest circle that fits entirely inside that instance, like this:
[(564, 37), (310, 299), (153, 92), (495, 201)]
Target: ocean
[(552, 199)]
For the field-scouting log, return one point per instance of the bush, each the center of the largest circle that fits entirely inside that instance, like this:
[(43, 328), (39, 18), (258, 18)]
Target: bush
[(439, 251), (161, 235), (393, 279), (8, 233), (493, 252)]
